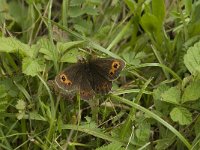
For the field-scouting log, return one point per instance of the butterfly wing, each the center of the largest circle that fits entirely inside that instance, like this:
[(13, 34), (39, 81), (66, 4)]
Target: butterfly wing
[(99, 83), (109, 68), (75, 79), (69, 78), (86, 91)]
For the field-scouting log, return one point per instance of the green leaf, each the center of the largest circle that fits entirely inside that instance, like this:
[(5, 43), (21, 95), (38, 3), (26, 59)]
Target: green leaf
[(150, 23), (111, 146), (45, 48), (172, 95), (76, 11), (143, 131), (131, 5), (161, 106), (133, 58), (84, 26), (97, 2), (71, 56), (164, 143), (158, 9), (191, 92), (195, 17), (35, 116), (181, 115), (90, 10), (197, 126), (32, 66), (192, 59), (21, 105), (11, 45), (188, 6), (3, 98), (69, 45), (76, 2), (18, 12)]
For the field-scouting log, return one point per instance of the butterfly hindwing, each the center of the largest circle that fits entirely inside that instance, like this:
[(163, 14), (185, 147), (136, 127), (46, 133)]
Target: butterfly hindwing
[(99, 83)]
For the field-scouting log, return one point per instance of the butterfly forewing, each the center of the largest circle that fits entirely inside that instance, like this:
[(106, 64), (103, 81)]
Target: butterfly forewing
[(109, 68), (69, 79)]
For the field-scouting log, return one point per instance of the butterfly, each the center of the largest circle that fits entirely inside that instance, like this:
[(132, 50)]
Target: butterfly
[(90, 77)]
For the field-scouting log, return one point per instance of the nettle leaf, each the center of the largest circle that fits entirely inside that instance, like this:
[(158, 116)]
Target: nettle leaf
[(172, 95), (32, 66), (11, 45), (181, 115), (191, 92), (192, 59), (63, 47), (71, 56), (45, 48)]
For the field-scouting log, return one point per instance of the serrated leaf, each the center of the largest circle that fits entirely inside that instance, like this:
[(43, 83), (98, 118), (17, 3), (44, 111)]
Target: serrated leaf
[(32, 66), (69, 45), (172, 95), (90, 10), (133, 58), (111, 146), (76, 11), (191, 92), (181, 115), (71, 56), (160, 105), (83, 26), (20, 115), (11, 45), (192, 59), (159, 91), (45, 48), (20, 105)]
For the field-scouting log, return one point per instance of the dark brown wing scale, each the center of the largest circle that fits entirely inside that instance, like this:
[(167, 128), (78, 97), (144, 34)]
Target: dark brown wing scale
[(91, 77), (109, 68)]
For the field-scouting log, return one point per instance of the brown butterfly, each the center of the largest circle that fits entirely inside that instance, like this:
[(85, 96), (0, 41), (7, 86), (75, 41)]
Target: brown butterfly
[(90, 77)]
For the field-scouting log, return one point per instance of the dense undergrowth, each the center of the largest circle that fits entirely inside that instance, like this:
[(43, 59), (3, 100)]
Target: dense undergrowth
[(154, 104)]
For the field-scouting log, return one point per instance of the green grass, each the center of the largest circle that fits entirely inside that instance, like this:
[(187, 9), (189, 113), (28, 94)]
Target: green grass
[(154, 103)]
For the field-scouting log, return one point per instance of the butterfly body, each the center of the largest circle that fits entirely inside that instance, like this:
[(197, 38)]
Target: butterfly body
[(90, 77)]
